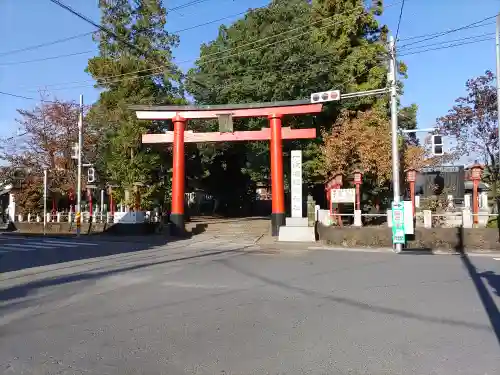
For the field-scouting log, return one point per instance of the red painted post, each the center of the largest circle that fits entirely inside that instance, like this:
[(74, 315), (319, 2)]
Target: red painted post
[(89, 194), (277, 185), (358, 198), (475, 199), (476, 177), (178, 175), (358, 176)]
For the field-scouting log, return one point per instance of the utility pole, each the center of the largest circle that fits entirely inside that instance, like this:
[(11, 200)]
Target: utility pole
[(44, 201), (79, 173), (497, 37), (394, 128)]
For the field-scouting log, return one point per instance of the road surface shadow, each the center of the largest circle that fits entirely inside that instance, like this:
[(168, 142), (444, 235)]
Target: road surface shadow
[(60, 252), (352, 302), (491, 278), (24, 290)]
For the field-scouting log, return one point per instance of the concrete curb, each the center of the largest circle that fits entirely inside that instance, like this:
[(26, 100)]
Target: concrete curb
[(483, 253)]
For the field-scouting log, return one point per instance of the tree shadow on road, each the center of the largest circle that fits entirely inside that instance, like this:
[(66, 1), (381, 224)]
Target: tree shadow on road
[(24, 290), (492, 279), (60, 252), (352, 302)]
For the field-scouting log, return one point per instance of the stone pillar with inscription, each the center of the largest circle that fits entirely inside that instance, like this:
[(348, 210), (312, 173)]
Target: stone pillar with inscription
[(297, 228), (296, 183)]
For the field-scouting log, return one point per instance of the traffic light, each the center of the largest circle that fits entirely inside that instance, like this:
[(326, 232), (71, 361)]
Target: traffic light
[(91, 175), (326, 96), (437, 145)]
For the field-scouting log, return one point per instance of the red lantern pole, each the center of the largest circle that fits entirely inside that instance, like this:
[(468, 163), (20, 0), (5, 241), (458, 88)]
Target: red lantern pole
[(336, 211), (89, 194), (357, 181), (476, 177)]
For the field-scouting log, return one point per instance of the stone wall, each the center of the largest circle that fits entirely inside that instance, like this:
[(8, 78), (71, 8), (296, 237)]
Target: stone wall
[(424, 238)]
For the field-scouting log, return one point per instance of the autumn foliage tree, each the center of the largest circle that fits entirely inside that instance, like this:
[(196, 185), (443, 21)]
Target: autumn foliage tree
[(358, 140), (473, 123), (44, 140), (362, 140)]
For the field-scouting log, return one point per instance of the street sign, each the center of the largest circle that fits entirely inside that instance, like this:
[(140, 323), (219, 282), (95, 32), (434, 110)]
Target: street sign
[(343, 195), (398, 223)]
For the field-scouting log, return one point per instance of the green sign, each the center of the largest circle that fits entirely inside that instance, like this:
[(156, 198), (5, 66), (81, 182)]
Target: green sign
[(398, 223)]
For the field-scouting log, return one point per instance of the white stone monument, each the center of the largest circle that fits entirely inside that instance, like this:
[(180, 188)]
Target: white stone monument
[(297, 228)]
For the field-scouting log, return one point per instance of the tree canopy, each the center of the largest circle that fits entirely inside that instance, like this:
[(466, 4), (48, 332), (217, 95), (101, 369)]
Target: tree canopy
[(45, 140), (284, 51), (287, 51), (134, 66), (473, 123)]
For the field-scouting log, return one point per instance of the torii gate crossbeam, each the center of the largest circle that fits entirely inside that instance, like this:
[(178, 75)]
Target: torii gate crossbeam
[(274, 111)]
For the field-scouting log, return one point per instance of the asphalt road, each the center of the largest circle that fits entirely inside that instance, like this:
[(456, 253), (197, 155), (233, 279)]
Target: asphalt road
[(206, 306), (18, 252)]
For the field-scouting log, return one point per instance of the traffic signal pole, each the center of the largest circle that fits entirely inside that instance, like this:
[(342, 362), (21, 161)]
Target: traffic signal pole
[(79, 173), (497, 39)]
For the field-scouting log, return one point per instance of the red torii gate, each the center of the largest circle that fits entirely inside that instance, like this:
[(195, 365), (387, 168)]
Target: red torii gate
[(274, 111)]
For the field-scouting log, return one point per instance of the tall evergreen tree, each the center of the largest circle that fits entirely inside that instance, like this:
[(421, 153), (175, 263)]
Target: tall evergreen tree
[(144, 74), (286, 51)]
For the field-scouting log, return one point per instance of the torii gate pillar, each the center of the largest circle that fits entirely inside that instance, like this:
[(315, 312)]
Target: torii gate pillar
[(178, 174), (277, 185)]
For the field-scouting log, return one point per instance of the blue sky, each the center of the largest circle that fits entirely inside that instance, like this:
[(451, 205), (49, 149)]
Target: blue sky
[(436, 78)]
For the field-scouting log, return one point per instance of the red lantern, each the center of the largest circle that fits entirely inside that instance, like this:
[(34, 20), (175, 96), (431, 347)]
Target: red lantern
[(476, 171), (358, 175), (411, 175)]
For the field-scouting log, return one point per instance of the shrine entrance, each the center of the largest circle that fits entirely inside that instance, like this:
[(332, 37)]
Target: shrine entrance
[(274, 111)]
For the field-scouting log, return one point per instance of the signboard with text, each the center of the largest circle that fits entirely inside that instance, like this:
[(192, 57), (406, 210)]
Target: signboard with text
[(343, 195), (398, 223)]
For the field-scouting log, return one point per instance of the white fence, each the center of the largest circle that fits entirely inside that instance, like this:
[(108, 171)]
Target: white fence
[(97, 217)]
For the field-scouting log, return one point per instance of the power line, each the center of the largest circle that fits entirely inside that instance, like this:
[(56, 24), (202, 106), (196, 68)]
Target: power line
[(214, 54), (448, 41), (451, 31), (364, 72), (446, 47), (45, 44), (91, 51), (104, 29), (47, 58), (349, 80), (328, 25), (441, 32), (399, 20), (26, 97), (186, 5), (244, 45), (208, 22)]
